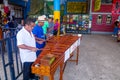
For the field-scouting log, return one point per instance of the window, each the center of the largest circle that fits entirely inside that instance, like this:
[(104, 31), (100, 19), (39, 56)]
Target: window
[(99, 19), (18, 12), (108, 19)]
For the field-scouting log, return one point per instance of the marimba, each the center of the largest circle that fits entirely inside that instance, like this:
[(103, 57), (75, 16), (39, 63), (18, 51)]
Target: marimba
[(61, 47)]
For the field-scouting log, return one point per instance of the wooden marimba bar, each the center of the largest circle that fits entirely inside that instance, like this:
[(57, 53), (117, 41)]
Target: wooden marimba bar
[(61, 47)]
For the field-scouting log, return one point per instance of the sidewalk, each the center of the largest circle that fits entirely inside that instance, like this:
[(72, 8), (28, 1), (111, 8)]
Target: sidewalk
[(99, 60)]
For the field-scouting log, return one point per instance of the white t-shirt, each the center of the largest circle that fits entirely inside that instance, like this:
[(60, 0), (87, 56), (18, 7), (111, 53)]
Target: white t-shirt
[(24, 37)]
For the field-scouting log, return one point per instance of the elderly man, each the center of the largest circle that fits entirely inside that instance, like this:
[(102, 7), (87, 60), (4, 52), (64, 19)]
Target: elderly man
[(39, 34), (26, 44)]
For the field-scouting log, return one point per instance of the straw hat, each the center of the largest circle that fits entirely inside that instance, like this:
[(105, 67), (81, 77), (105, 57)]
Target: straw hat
[(44, 16), (41, 19)]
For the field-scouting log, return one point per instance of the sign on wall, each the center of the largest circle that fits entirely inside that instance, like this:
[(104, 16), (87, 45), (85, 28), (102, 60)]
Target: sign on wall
[(97, 5), (76, 7)]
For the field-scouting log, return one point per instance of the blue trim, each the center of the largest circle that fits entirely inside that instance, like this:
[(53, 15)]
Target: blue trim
[(27, 9), (65, 8), (18, 2)]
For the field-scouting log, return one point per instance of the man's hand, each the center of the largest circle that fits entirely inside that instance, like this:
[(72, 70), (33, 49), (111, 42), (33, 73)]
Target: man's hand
[(49, 36), (40, 42), (34, 49), (39, 39)]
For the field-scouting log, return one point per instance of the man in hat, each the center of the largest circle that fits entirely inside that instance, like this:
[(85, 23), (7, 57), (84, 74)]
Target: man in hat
[(39, 34)]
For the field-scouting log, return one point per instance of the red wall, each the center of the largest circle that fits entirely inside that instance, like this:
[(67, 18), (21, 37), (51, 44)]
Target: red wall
[(102, 27), (105, 8)]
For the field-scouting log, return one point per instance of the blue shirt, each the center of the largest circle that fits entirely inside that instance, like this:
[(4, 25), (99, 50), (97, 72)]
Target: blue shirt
[(38, 32)]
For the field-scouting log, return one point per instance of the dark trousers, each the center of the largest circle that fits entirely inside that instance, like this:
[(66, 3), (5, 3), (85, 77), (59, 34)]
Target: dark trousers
[(38, 52), (55, 32), (115, 32), (27, 71), (40, 46)]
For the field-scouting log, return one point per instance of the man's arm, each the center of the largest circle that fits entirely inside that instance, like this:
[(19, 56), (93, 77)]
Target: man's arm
[(23, 46), (38, 39)]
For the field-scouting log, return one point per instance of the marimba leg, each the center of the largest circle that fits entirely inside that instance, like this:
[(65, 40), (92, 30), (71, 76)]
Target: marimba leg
[(77, 56), (51, 77), (41, 77), (61, 71)]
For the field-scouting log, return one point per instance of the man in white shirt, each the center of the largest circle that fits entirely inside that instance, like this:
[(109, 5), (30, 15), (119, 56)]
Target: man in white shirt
[(27, 46)]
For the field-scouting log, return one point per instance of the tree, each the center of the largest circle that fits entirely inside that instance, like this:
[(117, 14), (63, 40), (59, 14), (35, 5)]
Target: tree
[(36, 7)]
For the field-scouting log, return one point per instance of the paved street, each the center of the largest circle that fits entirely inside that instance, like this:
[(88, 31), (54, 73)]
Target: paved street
[(99, 60)]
